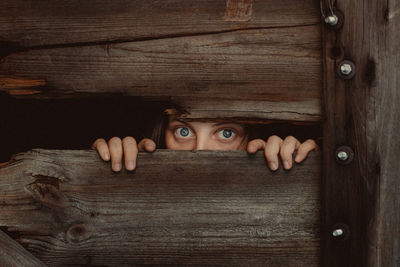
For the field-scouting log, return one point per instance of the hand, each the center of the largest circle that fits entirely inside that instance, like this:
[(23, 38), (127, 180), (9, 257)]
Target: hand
[(285, 148), (127, 146)]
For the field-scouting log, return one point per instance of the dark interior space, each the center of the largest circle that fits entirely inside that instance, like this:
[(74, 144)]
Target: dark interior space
[(77, 123)]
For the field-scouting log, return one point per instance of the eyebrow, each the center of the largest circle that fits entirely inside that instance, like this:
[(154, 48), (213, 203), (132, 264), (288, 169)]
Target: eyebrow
[(178, 120)]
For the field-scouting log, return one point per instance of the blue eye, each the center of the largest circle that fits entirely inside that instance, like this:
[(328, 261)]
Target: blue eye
[(226, 133), (183, 132)]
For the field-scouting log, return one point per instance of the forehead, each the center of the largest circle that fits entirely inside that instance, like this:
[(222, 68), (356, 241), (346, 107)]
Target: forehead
[(175, 120)]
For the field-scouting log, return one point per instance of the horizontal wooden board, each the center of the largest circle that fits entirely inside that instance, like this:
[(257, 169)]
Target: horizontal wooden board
[(178, 207), (250, 111), (36, 23), (273, 73)]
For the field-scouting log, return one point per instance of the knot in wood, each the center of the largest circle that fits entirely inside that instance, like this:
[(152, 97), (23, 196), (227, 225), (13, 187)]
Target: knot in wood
[(78, 232)]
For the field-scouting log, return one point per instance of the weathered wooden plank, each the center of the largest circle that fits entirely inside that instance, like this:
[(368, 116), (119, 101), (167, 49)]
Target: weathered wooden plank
[(36, 23), (178, 207), (363, 113), (13, 254), (384, 130), (273, 73), (251, 111)]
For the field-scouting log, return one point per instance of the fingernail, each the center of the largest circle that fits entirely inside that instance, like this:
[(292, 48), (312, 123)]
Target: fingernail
[(106, 156), (116, 166), (130, 166), (286, 164), (297, 158), (273, 166)]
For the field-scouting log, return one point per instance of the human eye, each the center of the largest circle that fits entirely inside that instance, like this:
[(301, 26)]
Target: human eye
[(183, 132), (226, 134)]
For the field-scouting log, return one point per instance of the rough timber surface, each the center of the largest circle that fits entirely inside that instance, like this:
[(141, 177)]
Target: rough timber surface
[(264, 54), (13, 254), (363, 113), (178, 207), (36, 23)]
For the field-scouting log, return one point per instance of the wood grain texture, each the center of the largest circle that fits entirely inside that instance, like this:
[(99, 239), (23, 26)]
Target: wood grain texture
[(274, 73), (178, 207), (250, 111), (385, 129), (13, 254), (363, 113), (33, 23), (247, 59)]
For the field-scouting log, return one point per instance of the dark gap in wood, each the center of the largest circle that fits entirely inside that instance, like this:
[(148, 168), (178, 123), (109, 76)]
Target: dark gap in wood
[(8, 48), (77, 123)]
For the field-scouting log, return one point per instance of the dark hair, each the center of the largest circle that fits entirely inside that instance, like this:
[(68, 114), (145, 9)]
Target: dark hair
[(158, 134)]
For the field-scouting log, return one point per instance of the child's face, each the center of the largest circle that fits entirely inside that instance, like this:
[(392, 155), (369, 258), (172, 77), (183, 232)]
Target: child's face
[(180, 135)]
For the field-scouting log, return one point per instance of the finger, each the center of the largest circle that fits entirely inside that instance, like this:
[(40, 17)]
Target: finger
[(271, 151), (254, 145), (102, 149), (290, 144), (147, 145), (130, 152), (115, 147), (304, 149)]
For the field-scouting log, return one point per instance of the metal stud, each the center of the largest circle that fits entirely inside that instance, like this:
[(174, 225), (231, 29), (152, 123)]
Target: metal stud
[(344, 155), (346, 69), (337, 232), (332, 20), (340, 232)]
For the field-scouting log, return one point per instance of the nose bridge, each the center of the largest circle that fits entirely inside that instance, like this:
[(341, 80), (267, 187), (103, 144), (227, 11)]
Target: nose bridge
[(202, 141)]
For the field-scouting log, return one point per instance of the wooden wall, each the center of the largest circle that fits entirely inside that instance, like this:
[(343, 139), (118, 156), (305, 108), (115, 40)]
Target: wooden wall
[(249, 61), (241, 59)]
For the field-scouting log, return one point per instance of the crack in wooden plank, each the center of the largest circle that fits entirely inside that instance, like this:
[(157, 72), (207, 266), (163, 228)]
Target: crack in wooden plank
[(11, 48)]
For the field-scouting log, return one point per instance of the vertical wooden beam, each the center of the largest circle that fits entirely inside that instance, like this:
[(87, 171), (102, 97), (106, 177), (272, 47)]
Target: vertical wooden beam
[(362, 198), (387, 117)]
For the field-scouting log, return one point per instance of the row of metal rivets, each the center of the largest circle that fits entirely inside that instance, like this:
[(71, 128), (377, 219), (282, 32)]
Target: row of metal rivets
[(346, 70)]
